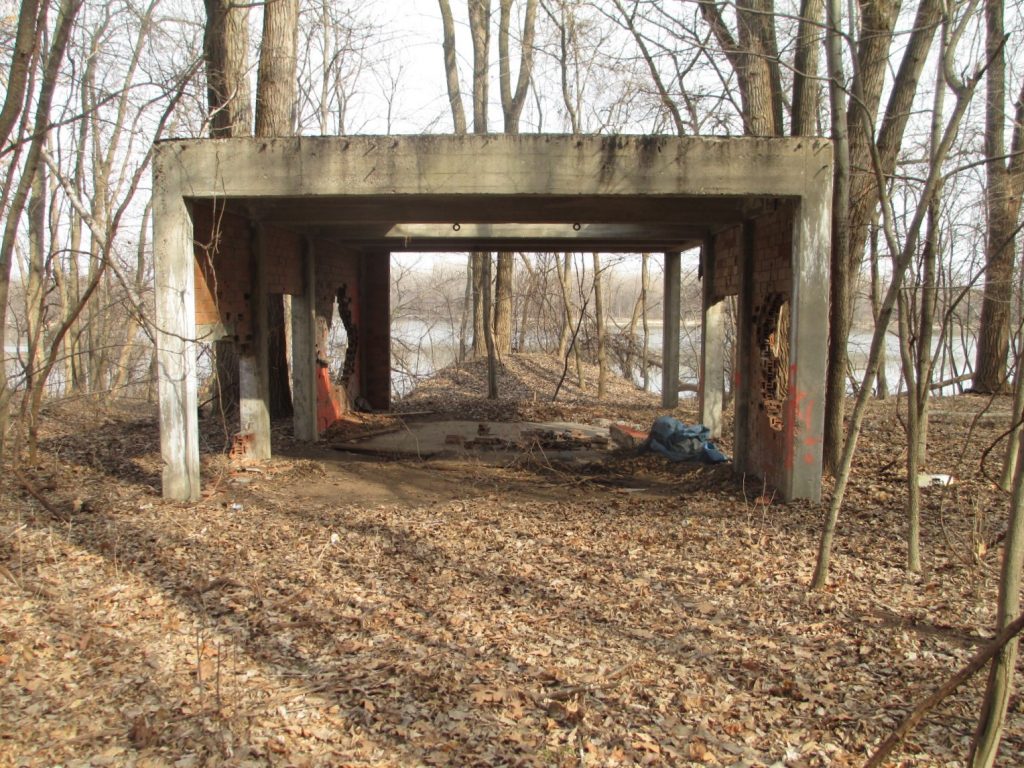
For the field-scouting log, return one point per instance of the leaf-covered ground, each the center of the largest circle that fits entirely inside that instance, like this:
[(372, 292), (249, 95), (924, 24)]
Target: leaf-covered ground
[(325, 609)]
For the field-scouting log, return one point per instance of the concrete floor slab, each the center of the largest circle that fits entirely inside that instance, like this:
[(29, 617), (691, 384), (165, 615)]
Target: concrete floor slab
[(433, 438)]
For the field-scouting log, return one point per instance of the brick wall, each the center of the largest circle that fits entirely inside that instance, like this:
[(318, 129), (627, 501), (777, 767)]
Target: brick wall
[(338, 269), (223, 266), (728, 249), (375, 349), (223, 249), (223, 263), (284, 261), (768, 344)]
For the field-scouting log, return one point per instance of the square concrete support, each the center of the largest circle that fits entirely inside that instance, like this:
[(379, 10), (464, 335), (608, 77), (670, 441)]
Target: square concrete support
[(304, 331), (176, 349), (712, 355), (745, 379), (254, 359), (670, 332), (808, 346), (375, 329)]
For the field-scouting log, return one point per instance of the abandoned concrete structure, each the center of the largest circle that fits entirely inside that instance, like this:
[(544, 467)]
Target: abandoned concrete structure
[(239, 220)]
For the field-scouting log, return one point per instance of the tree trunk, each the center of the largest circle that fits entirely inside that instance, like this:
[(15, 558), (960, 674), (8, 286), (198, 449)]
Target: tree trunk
[(755, 60), (990, 373), (599, 322), (804, 121), (226, 51), (451, 68), (276, 75), (645, 286), (480, 31), (467, 311), (840, 282), (275, 116), (854, 199), (903, 254), (12, 215), (1000, 678), (481, 316), (878, 19), (882, 383), (1012, 456), (492, 357), (503, 303), (562, 267), (512, 102), (511, 107), (532, 295), (35, 306), (21, 59), (913, 505)]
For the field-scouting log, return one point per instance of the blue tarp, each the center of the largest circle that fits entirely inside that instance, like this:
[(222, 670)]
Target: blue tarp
[(681, 442)]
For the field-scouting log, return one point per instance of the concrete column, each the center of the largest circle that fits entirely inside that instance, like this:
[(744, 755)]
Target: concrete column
[(176, 350), (804, 415), (254, 357), (712, 348), (304, 350), (744, 384), (375, 329), (670, 333)]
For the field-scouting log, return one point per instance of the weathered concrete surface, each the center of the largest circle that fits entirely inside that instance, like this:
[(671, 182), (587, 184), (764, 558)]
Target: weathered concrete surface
[(808, 347), (712, 365), (304, 366), (431, 438), (175, 342), (500, 165)]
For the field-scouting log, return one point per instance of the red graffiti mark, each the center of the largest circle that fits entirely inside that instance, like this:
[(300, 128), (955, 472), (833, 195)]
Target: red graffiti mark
[(804, 406), (799, 418)]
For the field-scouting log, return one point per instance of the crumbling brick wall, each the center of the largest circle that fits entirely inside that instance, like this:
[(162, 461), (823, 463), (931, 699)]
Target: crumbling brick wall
[(768, 342), (728, 251), (767, 338), (338, 273), (223, 247)]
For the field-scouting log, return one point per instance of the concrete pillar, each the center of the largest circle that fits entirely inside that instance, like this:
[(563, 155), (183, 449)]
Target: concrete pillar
[(304, 350), (670, 333), (254, 358), (744, 385), (176, 349), (712, 348), (804, 415), (375, 329)]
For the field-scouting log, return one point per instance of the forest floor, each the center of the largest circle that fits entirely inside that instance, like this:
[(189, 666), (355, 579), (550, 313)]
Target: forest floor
[(325, 608)]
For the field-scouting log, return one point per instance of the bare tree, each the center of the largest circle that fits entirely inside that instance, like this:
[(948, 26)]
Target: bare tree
[(226, 51), (903, 252), (600, 330), (1004, 187), (29, 25), (754, 56), (229, 104), (54, 58), (276, 75), (871, 62), (512, 101)]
